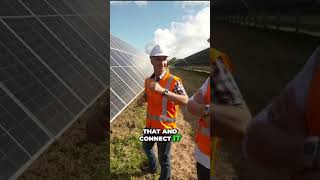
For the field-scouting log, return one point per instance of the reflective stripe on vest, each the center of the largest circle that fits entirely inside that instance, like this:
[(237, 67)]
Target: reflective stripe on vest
[(214, 150), (165, 98), (161, 118), (205, 131), (201, 158)]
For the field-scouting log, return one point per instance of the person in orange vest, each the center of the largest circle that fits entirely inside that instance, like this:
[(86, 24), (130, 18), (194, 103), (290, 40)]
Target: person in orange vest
[(222, 110), (163, 92), (284, 137)]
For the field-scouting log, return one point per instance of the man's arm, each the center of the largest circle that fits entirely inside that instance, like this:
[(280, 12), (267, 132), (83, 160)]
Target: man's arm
[(180, 99), (196, 106), (229, 113), (229, 121), (177, 98)]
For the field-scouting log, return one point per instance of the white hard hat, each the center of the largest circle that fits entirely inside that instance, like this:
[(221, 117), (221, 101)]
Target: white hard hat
[(158, 51)]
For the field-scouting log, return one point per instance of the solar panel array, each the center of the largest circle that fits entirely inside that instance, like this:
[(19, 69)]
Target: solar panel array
[(200, 58), (128, 69), (53, 65)]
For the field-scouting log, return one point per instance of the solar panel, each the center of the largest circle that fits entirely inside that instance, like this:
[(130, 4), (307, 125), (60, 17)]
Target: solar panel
[(128, 69), (54, 65), (199, 59)]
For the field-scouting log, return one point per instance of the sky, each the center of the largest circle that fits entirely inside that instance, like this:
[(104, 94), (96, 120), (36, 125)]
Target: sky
[(181, 27)]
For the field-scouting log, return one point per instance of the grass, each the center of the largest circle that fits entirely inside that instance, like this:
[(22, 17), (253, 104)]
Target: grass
[(73, 156), (127, 158), (126, 155)]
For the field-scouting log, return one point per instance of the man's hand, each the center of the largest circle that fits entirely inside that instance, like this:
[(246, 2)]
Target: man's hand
[(141, 100), (196, 106), (176, 98), (229, 121), (155, 86)]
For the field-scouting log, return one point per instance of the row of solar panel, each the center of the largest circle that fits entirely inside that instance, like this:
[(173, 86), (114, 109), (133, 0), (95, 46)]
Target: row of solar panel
[(197, 59), (128, 69), (51, 69)]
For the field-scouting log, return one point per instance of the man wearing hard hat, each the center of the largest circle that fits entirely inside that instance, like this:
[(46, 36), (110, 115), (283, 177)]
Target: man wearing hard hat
[(163, 92), (222, 110)]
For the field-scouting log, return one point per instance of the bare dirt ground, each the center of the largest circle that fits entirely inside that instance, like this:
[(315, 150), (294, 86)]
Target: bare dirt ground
[(183, 163)]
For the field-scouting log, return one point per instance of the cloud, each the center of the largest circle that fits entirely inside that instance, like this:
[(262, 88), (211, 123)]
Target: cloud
[(186, 37), (141, 3), (138, 3), (119, 2), (186, 4)]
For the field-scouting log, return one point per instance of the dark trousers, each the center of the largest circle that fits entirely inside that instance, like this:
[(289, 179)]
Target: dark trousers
[(163, 157), (203, 173)]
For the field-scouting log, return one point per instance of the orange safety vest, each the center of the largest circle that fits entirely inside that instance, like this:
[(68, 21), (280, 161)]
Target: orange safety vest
[(161, 113), (312, 112), (202, 137), (313, 104)]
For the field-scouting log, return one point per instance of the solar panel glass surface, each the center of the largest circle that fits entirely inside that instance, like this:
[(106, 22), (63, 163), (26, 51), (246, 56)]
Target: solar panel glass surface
[(126, 74), (54, 65)]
